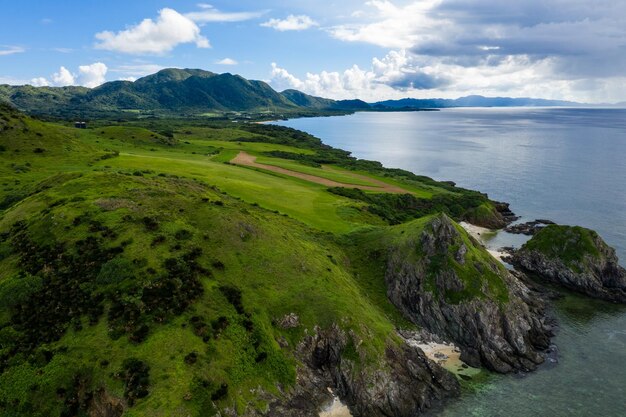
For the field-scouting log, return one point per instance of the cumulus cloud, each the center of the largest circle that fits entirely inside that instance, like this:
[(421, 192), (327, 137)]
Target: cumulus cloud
[(39, 82), (211, 14), (10, 50), (88, 76), (291, 22), (63, 78), (396, 73), (92, 75), (227, 61), (154, 36)]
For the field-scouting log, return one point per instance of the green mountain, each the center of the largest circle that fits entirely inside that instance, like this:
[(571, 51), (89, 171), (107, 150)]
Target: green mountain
[(166, 268), (171, 91)]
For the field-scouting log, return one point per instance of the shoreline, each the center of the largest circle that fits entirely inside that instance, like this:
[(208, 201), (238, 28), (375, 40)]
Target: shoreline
[(479, 234)]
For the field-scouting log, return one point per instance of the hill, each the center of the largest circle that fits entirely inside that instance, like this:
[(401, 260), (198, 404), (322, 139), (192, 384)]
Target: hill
[(143, 273)]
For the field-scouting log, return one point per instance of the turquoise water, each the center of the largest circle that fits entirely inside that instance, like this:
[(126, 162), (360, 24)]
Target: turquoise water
[(567, 165)]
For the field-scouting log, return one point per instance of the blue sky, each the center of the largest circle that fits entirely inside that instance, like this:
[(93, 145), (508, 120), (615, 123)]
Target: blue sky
[(379, 49)]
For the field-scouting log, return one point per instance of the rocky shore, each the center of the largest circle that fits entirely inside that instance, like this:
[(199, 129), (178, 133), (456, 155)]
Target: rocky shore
[(405, 384), (472, 300)]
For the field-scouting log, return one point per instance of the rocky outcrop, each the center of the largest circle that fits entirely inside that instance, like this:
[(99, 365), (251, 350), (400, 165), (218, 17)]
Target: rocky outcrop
[(492, 215), (444, 281), (403, 384), (528, 228), (102, 404), (576, 258)]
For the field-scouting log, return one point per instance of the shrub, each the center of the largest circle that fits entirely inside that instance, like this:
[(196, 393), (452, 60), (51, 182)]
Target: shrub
[(136, 376), (115, 271)]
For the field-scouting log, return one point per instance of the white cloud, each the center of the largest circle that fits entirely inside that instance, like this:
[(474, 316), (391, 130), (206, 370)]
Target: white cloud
[(292, 22), (394, 26), (154, 36), (92, 75), (88, 76), (39, 82), (211, 14), (63, 78), (10, 50), (395, 75), (227, 61)]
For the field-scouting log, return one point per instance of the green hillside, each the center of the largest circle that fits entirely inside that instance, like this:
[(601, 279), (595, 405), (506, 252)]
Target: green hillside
[(145, 272)]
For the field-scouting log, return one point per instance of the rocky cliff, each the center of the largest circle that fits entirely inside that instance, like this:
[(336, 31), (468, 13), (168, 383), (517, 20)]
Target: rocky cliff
[(576, 258), (444, 281), (404, 384)]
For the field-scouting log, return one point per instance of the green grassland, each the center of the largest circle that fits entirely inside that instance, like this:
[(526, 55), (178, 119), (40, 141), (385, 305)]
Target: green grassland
[(136, 259)]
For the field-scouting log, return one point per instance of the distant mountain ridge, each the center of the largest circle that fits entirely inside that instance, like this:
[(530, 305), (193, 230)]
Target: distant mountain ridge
[(473, 101), (196, 91)]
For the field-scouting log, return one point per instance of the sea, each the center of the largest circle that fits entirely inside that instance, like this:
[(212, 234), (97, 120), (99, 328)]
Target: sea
[(567, 165)]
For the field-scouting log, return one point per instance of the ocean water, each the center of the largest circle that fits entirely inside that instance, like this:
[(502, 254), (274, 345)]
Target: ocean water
[(566, 165)]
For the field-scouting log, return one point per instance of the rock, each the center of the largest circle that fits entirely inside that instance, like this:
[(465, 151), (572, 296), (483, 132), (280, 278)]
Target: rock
[(576, 258), (289, 321), (528, 228), (505, 211), (487, 311), (404, 384), (102, 404)]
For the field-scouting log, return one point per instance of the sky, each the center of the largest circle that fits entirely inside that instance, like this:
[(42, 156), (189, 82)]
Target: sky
[(372, 50)]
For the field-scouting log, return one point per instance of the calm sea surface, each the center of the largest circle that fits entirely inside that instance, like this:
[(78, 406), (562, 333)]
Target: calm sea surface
[(566, 165)]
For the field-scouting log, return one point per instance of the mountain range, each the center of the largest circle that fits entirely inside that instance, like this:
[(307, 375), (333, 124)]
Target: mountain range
[(473, 101), (192, 92)]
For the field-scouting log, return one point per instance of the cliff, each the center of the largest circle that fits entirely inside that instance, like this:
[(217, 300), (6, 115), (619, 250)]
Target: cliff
[(447, 283)]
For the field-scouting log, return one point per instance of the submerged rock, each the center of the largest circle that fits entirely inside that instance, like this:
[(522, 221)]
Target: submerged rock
[(443, 280), (576, 258)]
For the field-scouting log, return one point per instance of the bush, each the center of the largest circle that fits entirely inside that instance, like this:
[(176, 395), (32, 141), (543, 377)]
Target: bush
[(115, 271), (136, 375), (183, 234), (18, 289)]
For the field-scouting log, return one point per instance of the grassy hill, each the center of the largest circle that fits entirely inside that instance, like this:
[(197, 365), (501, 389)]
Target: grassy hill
[(141, 270)]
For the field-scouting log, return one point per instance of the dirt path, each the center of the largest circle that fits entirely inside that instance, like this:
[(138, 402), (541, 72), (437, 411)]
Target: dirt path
[(244, 158)]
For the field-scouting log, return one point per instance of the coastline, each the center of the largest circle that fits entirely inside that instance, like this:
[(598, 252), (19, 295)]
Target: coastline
[(481, 234)]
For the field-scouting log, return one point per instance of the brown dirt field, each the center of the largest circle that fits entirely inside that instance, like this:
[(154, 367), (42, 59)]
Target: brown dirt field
[(245, 159)]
